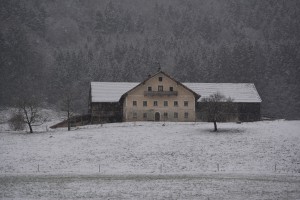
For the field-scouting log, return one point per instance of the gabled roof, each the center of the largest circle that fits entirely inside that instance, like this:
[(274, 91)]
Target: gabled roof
[(197, 96), (239, 92)]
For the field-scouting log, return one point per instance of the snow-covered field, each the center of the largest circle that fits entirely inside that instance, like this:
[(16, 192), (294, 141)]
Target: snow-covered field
[(167, 153), (147, 148)]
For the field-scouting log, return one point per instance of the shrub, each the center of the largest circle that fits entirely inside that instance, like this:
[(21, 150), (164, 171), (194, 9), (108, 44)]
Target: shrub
[(16, 122)]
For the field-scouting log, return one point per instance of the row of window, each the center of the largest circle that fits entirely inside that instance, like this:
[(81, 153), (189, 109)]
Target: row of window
[(160, 88), (165, 115), (166, 103)]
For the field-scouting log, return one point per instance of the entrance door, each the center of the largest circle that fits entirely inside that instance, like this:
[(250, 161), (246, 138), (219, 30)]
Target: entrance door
[(157, 116)]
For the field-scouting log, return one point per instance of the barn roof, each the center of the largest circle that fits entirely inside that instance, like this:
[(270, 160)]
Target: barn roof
[(239, 92), (109, 91)]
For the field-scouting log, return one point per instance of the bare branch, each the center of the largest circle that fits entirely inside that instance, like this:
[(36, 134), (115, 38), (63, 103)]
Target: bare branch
[(218, 108)]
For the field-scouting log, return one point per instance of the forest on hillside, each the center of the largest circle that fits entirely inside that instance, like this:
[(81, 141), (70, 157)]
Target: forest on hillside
[(52, 47)]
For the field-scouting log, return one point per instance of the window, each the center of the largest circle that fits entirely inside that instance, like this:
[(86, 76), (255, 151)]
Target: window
[(175, 115), (155, 103), (160, 88), (145, 103), (171, 89), (134, 115), (165, 103), (145, 115), (165, 115), (134, 103), (149, 89), (186, 103), (186, 115), (175, 103), (160, 78)]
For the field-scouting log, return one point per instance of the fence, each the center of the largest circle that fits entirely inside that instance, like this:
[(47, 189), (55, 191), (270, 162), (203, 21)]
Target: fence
[(162, 168)]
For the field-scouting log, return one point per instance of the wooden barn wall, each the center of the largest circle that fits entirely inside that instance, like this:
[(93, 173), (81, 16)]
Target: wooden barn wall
[(106, 112), (249, 112), (201, 115)]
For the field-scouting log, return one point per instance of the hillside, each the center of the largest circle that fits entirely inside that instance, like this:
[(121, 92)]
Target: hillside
[(50, 47)]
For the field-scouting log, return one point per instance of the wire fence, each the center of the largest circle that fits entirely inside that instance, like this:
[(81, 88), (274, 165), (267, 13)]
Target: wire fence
[(162, 168)]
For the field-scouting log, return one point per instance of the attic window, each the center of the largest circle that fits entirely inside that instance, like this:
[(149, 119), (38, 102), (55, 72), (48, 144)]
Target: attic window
[(171, 89), (159, 78), (149, 88)]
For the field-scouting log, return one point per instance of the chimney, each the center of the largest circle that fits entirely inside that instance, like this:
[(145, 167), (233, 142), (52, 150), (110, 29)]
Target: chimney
[(159, 68)]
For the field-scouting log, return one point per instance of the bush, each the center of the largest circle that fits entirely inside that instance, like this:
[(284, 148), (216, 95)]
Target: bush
[(16, 122)]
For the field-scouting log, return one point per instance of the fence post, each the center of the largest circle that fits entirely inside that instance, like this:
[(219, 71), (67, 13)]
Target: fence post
[(275, 167), (218, 166), (99, 168), (38, 168)]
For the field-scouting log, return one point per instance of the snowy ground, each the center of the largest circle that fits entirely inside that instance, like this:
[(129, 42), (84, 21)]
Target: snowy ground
[(268, 148), (95, 186), (146, 148)]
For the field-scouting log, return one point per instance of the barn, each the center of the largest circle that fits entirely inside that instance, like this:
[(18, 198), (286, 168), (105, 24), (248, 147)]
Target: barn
[(244, 95), (162, 98)]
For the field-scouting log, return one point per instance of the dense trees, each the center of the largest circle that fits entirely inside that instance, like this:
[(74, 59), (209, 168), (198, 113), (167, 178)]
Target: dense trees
[(68, 44)]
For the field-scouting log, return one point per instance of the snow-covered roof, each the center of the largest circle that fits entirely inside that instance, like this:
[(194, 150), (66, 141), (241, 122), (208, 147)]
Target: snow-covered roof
[(109, 91), (239, 92)]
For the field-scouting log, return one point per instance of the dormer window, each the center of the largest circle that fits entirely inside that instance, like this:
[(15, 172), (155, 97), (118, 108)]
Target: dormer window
[(159, 78)]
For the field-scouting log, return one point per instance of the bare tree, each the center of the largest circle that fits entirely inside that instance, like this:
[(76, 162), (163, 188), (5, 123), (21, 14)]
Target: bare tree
[(68, 102), (67, 106), (29, 108), (218, 108)]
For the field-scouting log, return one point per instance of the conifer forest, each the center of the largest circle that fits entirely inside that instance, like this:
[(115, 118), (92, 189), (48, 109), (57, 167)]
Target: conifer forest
[(52, 47)]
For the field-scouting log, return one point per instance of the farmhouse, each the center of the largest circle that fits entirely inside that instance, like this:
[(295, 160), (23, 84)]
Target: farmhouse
[(162, 98)]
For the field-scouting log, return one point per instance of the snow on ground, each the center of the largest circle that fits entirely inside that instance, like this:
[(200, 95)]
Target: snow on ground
[(147, 148), (43, 160), (149, 187)]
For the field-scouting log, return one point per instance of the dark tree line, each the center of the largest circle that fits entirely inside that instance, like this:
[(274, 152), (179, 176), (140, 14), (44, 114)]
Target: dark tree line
[(57, 46)]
